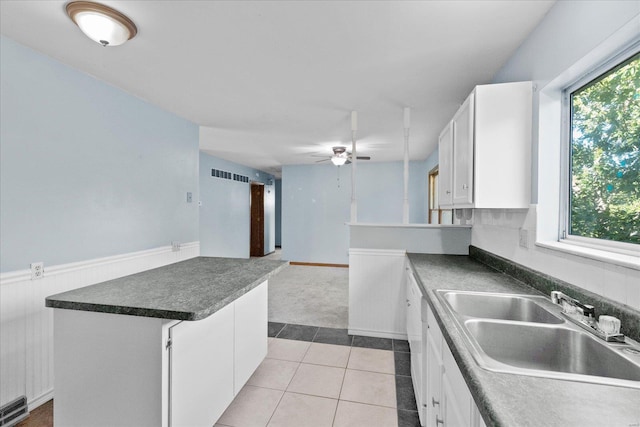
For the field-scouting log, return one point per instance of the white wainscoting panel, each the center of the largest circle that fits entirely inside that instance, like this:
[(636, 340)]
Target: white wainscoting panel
[(26, 325), (377, 300)]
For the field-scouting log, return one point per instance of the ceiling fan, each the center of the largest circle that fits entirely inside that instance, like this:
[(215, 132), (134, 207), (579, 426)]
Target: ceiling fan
[(342, 157)]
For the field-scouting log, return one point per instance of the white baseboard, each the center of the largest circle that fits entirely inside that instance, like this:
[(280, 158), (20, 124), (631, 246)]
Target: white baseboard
[(377, 334), (40, 400)]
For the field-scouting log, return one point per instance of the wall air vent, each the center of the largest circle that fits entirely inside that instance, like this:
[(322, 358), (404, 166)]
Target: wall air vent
[(13, 412), (216, 173)]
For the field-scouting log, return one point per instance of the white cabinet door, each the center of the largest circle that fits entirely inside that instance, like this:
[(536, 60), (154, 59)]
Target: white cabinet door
[(445, 167), (250, 333), (456, 397), (201, 374), (463, 133), (414, 335), (448, 399), (433, 370)]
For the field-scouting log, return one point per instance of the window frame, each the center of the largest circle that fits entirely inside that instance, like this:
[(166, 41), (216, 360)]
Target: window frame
[(605, 66), (432, 188)]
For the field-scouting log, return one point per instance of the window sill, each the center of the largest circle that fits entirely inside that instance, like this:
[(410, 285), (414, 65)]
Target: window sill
[(622, 260)]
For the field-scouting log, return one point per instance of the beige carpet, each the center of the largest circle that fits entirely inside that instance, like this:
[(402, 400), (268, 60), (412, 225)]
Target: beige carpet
[(316, 296)]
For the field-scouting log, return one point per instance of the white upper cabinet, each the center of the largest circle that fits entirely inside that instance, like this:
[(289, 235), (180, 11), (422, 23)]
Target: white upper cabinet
[(463, 131), (485, 150), (445, 156)]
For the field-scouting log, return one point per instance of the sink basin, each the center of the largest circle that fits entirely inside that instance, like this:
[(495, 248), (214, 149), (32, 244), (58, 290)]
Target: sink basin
[(498, 306), (555, 349), (516, 334)]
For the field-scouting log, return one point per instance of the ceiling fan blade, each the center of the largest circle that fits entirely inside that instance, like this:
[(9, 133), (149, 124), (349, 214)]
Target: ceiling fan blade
[(318, 155), (324, 160), (363, 157)]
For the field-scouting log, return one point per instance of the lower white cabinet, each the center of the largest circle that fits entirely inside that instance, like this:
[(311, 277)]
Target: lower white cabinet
[(200, 382), (415, 338), (250, 334), (118, 370), (212, 359), (448, 400)]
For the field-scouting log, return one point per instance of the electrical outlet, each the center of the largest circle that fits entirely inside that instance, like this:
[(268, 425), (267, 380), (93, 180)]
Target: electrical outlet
[(175, 246), (37, 270), (524, 238)]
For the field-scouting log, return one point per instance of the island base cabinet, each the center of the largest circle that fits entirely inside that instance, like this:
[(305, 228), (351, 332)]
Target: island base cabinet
[(119, 370), (250, 334), (200, 381), (109, 369)]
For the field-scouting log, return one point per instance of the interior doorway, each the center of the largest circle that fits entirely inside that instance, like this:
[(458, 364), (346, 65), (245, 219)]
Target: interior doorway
[(257, 219)]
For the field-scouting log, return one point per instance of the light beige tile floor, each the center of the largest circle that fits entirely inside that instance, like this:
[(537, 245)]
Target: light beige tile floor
[(301, 384)]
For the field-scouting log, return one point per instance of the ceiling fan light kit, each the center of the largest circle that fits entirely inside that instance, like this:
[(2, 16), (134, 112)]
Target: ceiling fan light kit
[(101, 23), (338, 160)]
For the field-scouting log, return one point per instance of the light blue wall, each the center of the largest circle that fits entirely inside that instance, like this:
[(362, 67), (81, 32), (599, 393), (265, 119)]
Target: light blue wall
[(380, 192), (278, 185), (432, 161), (316, 202), (315, 208), (225, 211), (87, 170)]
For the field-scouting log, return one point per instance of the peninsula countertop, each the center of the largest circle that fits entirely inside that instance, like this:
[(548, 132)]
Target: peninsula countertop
[(509, 399), (187, 290)]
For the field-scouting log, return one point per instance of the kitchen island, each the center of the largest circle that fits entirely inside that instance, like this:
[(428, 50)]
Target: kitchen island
[(170, 346)]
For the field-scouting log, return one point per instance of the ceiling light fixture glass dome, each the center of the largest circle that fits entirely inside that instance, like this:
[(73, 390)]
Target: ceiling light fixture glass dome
[(339, 160), (101, 23)]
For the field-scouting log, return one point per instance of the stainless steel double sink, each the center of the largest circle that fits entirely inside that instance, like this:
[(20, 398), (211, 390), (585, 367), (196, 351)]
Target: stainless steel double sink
[(525, 334)]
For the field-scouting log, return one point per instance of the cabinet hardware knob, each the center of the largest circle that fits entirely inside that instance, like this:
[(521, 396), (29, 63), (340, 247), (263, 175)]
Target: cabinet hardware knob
[(439, 421), (434, 402), (448, 192)]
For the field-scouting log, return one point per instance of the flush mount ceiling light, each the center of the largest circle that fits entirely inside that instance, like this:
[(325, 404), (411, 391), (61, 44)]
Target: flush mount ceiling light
[(101, 23)]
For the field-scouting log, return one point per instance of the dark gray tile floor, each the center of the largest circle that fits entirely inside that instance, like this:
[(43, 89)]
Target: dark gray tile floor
[(371, 342), (405, 397), (403, 363), (298, 332), (334, 336)]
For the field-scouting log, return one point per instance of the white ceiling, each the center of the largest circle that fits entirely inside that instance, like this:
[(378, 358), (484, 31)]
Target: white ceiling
[(275, 81)]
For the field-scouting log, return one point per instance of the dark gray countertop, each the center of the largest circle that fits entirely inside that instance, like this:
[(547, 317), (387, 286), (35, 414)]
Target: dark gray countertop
[(187, 290), (517, 400)]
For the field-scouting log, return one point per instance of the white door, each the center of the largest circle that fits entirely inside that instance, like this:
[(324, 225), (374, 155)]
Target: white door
[(201, 369)]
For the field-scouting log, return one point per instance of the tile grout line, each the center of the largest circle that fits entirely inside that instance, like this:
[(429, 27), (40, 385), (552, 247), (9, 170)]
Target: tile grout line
[(342, 385), (351, 346)]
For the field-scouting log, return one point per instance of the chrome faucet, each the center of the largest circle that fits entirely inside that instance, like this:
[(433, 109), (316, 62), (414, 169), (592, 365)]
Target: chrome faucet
[(583, 315), (571, 306)]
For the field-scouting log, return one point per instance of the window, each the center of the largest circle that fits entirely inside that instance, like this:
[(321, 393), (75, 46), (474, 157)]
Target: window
[(437, 215), (603, 185)]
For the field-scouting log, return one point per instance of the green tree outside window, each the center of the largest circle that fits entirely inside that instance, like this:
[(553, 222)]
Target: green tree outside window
[(605, 156)]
